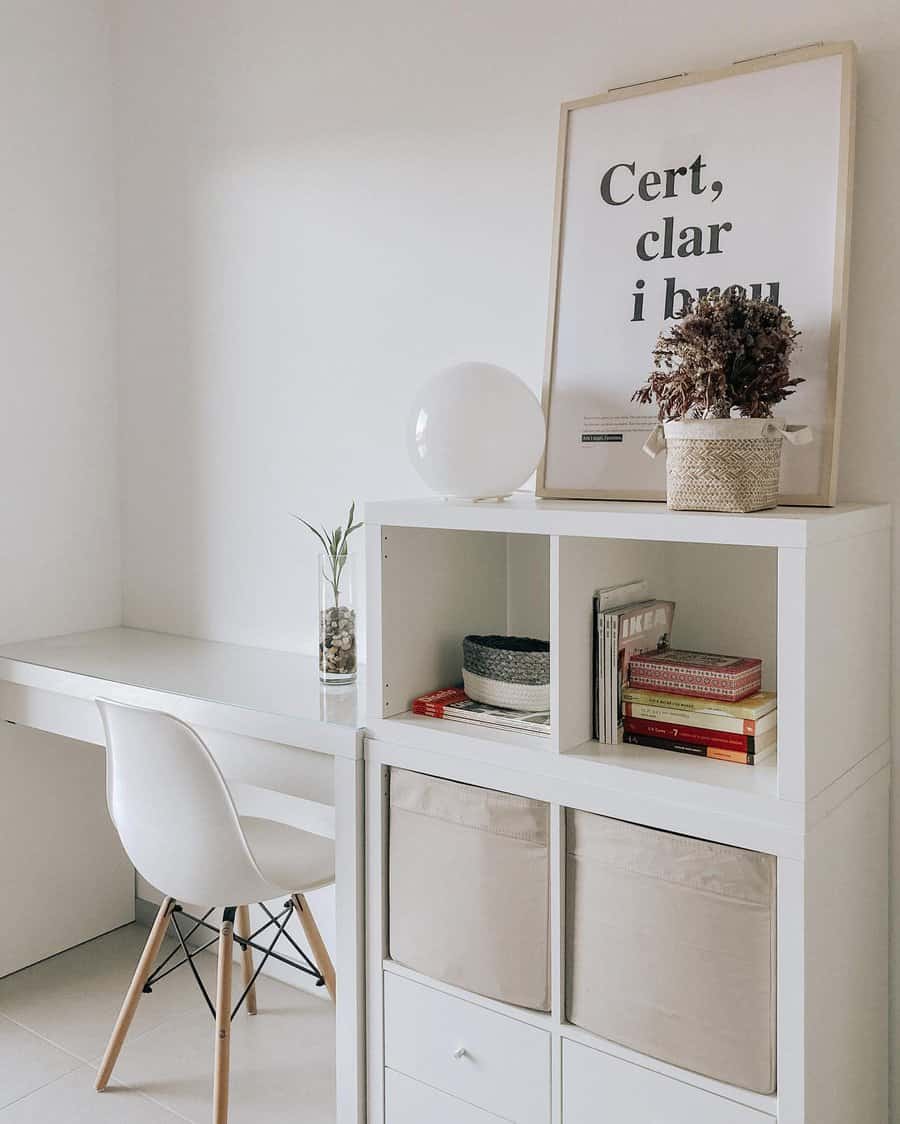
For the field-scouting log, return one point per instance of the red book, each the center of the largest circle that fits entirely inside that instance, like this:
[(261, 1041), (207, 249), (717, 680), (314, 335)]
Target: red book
[(702, 674), (694, 735), (434, 703)]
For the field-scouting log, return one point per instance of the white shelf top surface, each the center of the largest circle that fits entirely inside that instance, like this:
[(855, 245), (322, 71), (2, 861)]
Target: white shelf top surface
[(738, 804), (593, 761), (650, 772), (523, 513), (271, 684)]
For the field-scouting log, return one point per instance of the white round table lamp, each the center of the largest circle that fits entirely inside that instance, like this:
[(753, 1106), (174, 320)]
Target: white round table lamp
[(476, 432)]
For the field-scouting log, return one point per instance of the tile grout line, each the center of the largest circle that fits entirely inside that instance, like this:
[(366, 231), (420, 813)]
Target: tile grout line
[(164, 1107), (43, 1084), (31, 1092), (136, 1092), (92, 1063), (95, 1060), (43, 1038), (82, 1063)]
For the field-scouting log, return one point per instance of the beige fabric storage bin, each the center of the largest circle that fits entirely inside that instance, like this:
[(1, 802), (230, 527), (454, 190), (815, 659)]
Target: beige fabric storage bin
[(671, 947), (468, 898)]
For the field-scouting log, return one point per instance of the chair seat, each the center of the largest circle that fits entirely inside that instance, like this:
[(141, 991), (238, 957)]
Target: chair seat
[(293, 860)]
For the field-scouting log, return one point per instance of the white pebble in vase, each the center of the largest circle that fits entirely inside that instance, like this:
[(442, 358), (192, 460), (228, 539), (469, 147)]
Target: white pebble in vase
[(476, 432)]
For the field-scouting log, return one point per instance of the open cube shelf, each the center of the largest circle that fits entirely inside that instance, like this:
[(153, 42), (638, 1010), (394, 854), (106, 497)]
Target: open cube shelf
[(790, 586), (725, 597), (438, 585)]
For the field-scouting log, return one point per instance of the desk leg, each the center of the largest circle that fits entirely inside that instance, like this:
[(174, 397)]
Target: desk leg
[(350, 1014)]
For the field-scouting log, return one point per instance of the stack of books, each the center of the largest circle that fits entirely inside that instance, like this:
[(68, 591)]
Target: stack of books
[(700, 703), (627, 622), (455, 705)]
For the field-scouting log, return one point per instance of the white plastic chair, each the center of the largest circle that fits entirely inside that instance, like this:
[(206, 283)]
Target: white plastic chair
[(181, 830)]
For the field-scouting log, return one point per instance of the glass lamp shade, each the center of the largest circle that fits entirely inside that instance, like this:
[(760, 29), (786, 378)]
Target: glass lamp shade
[(476, 431)]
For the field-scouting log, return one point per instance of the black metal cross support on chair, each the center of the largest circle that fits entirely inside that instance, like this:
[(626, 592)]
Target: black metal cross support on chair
[(279, 921)]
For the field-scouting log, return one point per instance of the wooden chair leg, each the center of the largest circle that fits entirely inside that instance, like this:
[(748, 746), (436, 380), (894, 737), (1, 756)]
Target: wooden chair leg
[(132, 996), (223, 1018), (243, 930), (316, 944)]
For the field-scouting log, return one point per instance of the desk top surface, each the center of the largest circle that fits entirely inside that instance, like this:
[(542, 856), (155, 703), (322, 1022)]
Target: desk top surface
[(160, 667)]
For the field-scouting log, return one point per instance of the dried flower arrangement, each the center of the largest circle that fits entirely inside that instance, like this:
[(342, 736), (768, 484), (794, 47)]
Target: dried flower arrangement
[(728, 356)]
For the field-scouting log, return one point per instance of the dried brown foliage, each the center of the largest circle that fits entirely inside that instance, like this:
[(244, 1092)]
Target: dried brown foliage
[(730, 354)]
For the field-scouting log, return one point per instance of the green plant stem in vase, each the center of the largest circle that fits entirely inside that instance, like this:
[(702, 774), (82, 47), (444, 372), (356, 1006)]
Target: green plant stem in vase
[(337, 613)]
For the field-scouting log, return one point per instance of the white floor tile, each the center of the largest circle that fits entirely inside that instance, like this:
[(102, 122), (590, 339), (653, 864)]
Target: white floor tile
[(73, 1100), (73, 999), (282, 1061), (28, 1062)]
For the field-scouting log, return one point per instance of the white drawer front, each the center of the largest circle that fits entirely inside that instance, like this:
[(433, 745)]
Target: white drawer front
[(597, 1086), (410, 1102), (486, 1059)]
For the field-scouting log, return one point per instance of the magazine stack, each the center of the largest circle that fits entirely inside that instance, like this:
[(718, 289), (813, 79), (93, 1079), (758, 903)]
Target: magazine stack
[(453, 704), (627, 623)]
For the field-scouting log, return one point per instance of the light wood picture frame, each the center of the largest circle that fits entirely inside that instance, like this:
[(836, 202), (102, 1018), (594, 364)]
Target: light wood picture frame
[(771, 137)]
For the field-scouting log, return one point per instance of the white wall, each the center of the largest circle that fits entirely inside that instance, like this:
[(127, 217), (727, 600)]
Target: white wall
[(59, 535), (321, 204), (59, 500)]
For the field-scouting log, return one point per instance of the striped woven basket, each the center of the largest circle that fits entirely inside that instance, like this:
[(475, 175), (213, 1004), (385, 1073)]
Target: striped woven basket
[(508, 671)]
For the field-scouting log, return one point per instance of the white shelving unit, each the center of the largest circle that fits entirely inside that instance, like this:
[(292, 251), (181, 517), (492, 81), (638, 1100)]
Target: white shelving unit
[(806, 589)]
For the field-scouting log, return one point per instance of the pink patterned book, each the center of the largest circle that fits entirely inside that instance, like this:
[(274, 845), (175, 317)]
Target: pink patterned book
[(703, 674)]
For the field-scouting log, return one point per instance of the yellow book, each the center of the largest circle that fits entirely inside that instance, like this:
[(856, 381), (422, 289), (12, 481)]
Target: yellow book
[(753, 707)]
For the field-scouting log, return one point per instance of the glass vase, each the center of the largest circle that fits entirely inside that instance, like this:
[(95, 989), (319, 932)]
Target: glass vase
[(337, 620)]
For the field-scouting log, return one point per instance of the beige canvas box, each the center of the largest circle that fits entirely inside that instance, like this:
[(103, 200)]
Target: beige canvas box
[(671, 947), (469, 887)]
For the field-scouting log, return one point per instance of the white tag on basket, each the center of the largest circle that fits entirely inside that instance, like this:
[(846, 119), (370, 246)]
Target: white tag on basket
[(656, 442), (793, 434)]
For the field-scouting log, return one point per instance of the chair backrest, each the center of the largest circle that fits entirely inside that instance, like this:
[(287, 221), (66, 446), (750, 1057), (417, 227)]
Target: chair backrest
[(173, 810)]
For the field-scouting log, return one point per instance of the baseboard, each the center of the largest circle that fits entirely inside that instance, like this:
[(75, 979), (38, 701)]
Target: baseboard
[(145, 913)]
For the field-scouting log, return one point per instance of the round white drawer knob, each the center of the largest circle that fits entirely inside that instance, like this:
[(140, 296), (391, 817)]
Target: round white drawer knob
[(459, 1052)]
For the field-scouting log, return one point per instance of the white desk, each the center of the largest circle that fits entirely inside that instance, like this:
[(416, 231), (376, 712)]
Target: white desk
[(290, 750)]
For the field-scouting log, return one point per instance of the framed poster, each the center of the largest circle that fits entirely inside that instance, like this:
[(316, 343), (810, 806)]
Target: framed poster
[(740, 176)]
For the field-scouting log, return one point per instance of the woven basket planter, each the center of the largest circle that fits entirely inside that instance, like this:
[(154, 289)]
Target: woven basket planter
[(724, 464), (509, 671)]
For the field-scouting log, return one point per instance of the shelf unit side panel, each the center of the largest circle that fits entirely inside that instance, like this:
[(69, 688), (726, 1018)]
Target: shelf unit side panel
[(790, 1042), (848, 684), (846, 931), (376, 930), (528, 586), (557, 954), (436, 586), (582, 566), (374, 620), (793, 648)]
